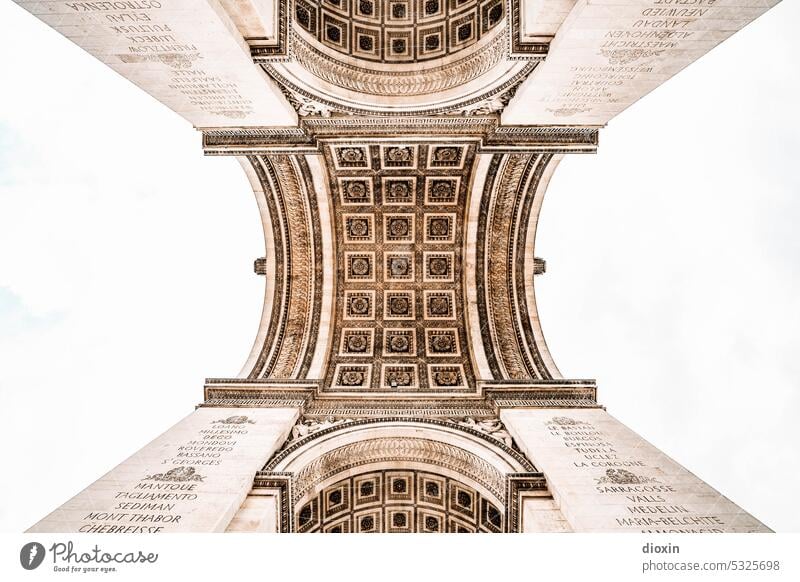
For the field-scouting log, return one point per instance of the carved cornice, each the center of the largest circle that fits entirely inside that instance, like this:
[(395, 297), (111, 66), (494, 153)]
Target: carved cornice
[(279, 49), (294, 321), (232, 399), (492, 136), (304, 394), (418, 408), (247, 393), (558, 393)]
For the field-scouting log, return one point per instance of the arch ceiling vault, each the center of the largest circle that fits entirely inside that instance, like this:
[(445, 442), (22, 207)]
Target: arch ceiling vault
[(399, 151)]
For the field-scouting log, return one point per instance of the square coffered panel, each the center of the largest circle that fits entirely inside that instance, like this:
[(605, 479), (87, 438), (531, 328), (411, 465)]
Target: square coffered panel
[(398, 266), (358, 228), (400, 342), (399, 304), (360, 266), (399, 190), (438, 266), (355, 192), (357, 342), (398, 228)]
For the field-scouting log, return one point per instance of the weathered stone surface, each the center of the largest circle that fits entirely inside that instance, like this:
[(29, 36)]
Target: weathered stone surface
[(192, 478), (604, 477)]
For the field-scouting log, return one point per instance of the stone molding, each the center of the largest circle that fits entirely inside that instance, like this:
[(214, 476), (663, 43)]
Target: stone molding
[(491, 135)]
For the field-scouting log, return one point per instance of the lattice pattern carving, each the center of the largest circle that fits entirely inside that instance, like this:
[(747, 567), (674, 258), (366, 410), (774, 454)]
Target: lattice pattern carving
[(399, 501), (397, 31), (399, 213)]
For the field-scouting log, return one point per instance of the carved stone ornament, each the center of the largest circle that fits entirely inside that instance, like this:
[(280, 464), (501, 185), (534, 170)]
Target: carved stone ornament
[(492, 427), (235, 420), (493, 104), (624, 477), (309, 426), (565, 421), (172, 60), (306, 106), (178, 474)]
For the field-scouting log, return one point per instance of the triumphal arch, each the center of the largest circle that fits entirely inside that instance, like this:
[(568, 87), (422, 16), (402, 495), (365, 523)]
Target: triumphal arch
[(399, 151)]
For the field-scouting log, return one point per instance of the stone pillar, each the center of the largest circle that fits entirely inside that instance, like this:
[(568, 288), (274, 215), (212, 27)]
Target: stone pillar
[(258, 513), (608, 54), (192, 478), (188, 54), (604, 477)]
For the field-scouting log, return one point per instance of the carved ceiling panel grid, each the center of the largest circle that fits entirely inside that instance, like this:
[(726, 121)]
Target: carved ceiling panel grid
[(399, 501), (399, 227), (398, 320), (399, 58), (397, 31)]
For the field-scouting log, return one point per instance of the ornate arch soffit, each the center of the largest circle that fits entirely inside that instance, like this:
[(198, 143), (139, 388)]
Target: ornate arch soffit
[(434, 237), (442, 445), (509, 210), (300, 471), (401, 59), (287, 338)]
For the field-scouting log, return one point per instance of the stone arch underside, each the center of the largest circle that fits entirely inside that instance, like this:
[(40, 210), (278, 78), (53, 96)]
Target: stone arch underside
[(400, 58), (399, 475), (399, 151), (425, 247)]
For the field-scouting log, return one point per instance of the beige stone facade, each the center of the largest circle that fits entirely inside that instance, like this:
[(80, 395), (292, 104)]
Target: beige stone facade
[(399, 152)]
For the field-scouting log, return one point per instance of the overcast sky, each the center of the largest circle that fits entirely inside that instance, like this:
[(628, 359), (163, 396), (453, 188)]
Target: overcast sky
[(673, 268)]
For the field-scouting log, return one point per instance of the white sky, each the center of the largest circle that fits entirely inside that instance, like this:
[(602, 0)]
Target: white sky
[(673, 268)]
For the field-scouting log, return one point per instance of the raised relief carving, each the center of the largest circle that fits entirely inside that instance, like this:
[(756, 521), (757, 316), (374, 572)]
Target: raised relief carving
[(624, 477), (565, 421), (508, 199), (291, 330), (308, 426), (492, 427), (399, 214), (492, 104), (172, 60), (177, 475), (235, 420)]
